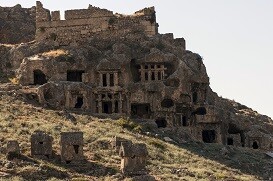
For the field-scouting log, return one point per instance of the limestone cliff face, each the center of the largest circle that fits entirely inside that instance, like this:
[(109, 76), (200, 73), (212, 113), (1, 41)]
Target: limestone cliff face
[(17, 24), (150, 78)]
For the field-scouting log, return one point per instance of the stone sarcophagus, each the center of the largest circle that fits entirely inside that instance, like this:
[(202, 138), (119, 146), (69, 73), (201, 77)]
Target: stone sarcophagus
[(117, 141), (41, 145), (133, 158), (13, 149), (71, 147)]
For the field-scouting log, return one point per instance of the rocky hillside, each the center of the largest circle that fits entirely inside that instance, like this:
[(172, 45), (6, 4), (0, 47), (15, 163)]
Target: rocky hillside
[(20, 117), (17, 24), (175, 151)]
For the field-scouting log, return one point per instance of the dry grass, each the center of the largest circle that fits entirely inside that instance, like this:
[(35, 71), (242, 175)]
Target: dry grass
[(14, 80), (166, 161), (55, 53)]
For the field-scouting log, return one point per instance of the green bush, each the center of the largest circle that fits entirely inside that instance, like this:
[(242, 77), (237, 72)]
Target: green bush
[(128, 124)]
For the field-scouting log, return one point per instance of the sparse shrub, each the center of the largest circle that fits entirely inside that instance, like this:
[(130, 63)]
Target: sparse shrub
[(41, 29), (53, 36), (8, 65), (128, 124), (158, 144), (100, 144), (138, 128), (111, 21)]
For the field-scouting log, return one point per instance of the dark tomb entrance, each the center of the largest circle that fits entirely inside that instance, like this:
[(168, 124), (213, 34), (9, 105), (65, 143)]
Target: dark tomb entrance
[(167, 103), (161, 123), (39, 77), (184, 121), (76, 148), (229, 141), (141, 111), (255, 145), (74, 75), (200, 111), (209, 136), (79, 102), (194, 97), (107, 107)]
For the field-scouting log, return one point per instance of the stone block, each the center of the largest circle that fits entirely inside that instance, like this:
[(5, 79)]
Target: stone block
[(13, 149), (117, 141), (55, 16), (133, 158), (71, 147), (41, 145)]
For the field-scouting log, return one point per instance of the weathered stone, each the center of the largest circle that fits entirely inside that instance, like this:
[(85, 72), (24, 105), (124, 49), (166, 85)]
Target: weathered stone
[(71, 147), (17, 24), (13, 149), (133, 158), (112, 65), (117, 141), (41, 145)]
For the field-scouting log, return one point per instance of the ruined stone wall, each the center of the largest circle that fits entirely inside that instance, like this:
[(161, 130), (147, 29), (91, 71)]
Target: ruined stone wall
[(17, 24), (80, 25)]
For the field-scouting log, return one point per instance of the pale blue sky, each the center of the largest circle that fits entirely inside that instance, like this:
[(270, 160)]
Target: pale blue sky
[(235, 38)]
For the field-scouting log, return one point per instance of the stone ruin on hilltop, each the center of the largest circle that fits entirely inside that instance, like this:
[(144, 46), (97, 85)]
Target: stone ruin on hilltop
[(119, 65)]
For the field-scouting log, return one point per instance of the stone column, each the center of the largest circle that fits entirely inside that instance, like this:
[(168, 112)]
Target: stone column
[(113, 105), (101, 80), (116, 79), (85, 101), (99, 104), (149, 73), (67, 99), (120, 104), (127, 97), (156, 74)]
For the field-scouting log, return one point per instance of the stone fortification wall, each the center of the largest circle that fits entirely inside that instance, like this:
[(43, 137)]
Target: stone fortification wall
[(80, 25)]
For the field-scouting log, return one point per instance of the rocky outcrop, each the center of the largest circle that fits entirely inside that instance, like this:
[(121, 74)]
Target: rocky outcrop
[(17, 24), (148, 78)]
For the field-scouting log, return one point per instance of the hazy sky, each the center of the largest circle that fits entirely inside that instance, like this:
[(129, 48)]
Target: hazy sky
[(235, 38)]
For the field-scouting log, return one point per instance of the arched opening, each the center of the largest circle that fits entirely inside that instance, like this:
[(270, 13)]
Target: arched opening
[(255, 145), (229, 141), (194, 97), (184, 121), (209, 136), (161, 123), (79, 102), (39, 77), (167, 103)]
